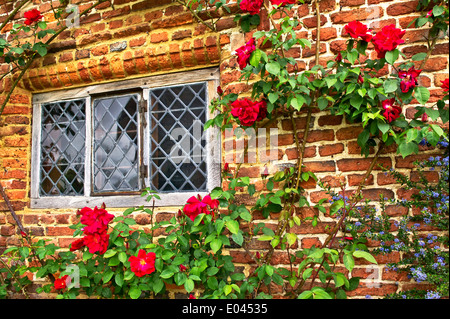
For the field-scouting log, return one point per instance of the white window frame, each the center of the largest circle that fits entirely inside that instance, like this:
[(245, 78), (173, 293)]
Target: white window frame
[(213, 146)]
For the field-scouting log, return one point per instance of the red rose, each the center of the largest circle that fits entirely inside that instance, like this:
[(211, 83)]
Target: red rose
[(182, 268), (61, 283), (282, 3), (77, 244), (391, 111), (32, 16), (409, 79), (444, 85), (387, 39), (251, 6), (143, 264), (191, 296), (96, 220), (244, 52), (338, 57), (424, 117), (248, 111), (360, 79), (196, 206), (265, 173), (348, 238), (219, 90), (356, 29), (96, 242)]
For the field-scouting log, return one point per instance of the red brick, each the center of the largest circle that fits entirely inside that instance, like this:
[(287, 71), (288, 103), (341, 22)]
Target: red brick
[(402, 8), (331, 149), (361, 164), (59, 231), (359, 14)]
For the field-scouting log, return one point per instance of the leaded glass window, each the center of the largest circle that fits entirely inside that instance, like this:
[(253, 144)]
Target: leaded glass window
[(120, 143), (177, 150), (63, 148), (116, 144)]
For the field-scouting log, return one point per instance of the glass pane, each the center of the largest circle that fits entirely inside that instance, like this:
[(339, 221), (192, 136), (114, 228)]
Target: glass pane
[(177, 150), (63, 138), (116, 150)]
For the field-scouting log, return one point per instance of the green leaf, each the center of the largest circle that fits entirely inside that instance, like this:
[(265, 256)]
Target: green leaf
[(122, 257), (356, 101), (349, 262), (291, 238), (307, 273), (255, 57), (42, 24), (330, 82), (419, 56), (392, 56), (233, 226), (363, 137), (406, 149), (437, 129), (352, 56), (320, 293), (336, 206), (383, 127), (189, 285), (275, 200), (166, 274), (364, 254), (421, 94), (265, 238), (212, 271), (339, 279), (158, 285), (227, 290), (318, 253), (118, 278), (216, 244), (238, 238), (322, 103), (390, 86), (438, 10), (305, 295), (135, 292), (273, 68), (245, 215), (273, 97)]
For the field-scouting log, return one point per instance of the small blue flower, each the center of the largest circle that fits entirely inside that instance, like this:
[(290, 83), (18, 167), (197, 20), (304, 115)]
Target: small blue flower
[(433, 295)]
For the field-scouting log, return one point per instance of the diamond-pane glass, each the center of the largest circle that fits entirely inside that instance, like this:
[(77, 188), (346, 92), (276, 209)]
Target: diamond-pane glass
[(116, 150), (63, 143), (177, 149)]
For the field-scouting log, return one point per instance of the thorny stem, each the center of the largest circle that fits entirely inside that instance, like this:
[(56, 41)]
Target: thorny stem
[(274, 25), (355, 197), (211, 26), (11, 209)]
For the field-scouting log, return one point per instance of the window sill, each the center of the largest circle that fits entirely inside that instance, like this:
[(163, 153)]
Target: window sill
[(63, 202)]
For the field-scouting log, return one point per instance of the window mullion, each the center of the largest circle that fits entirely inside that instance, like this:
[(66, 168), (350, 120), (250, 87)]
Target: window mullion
[(89, 144), (145, 140)]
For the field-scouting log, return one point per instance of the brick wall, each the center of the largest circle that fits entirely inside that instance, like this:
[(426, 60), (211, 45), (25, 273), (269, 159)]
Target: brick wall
[(148, 37)]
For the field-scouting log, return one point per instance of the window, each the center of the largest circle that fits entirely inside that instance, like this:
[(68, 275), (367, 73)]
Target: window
[(106, 143)]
